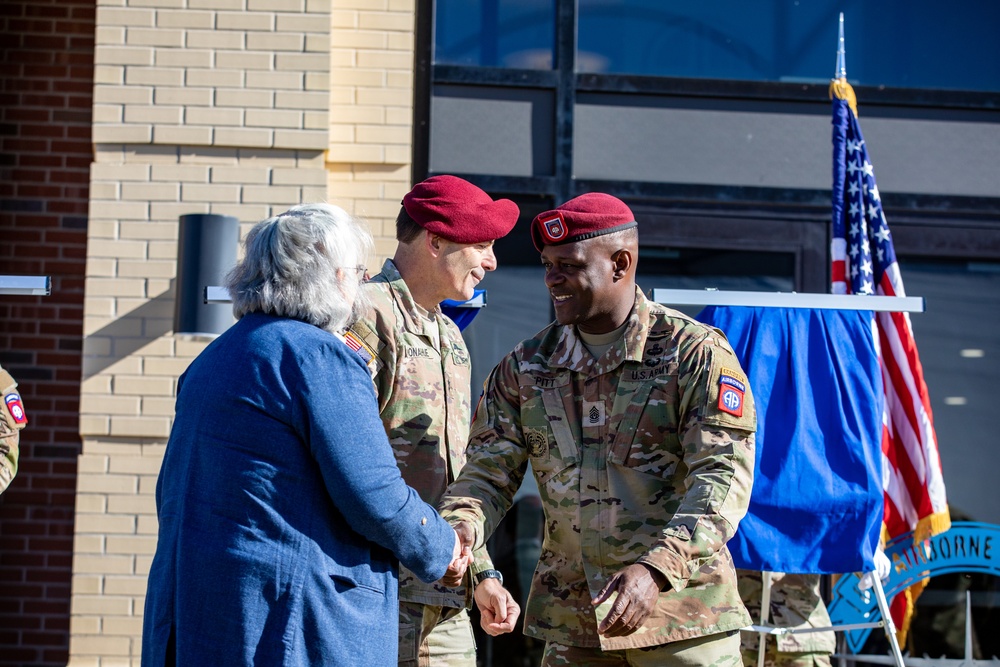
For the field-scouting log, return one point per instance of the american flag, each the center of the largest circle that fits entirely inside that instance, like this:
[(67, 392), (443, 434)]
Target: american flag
[(864, 262)]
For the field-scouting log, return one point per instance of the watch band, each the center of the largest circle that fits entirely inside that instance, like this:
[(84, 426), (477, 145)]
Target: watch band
[(489, 574)]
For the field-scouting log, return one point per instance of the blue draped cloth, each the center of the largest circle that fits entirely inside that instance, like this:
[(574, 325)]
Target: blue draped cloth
[(817, 499)]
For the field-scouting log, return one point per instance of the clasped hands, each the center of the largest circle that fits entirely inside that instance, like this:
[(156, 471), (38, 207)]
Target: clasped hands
[(497, 609), (461, 556)]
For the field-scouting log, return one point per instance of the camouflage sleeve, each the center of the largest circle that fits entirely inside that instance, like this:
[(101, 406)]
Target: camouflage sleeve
[(497, 458), (375, 340), (717, 436), (12, 420), (481, 561)]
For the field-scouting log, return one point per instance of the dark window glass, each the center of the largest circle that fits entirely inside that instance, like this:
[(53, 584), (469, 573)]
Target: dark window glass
[(517, 34), (960, 354), (898, 43)]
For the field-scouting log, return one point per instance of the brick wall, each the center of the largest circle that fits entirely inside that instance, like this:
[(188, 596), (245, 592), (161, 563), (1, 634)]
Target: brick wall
[(371, 113), (183, 106), (46, 79)]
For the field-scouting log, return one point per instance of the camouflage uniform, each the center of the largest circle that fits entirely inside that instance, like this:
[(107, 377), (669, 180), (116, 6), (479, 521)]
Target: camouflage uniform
[(795, 601), (635, 462), (12, 420), (421, 369)]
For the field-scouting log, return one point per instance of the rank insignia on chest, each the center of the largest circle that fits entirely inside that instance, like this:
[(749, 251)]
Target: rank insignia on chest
[(593, 413), (731, 393), (538, 443)]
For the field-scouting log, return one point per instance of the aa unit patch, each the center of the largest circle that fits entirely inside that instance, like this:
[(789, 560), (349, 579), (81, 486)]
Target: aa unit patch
[(553, 227), (16, 408), (731, 392)]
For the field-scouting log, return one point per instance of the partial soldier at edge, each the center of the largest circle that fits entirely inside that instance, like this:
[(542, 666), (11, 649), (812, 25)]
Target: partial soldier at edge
[(13, 419), (795, 603)]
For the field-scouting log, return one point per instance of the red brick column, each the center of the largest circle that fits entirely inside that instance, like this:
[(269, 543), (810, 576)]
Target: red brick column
[(46, 82)]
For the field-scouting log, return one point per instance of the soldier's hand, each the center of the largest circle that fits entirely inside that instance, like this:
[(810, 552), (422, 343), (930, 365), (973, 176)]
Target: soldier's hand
[(461, 557), (638, 587), (465, 534), (497, 609)]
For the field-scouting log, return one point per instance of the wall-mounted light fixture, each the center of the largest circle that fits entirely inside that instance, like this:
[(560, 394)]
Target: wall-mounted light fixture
[(206, 251), (26, 285)]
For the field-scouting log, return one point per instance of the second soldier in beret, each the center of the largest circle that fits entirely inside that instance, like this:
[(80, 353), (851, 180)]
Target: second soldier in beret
[(422, 373), (639, 427)]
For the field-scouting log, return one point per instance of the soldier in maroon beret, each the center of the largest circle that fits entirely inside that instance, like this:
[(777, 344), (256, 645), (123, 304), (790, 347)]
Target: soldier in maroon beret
[(638, 424), (422, 372)]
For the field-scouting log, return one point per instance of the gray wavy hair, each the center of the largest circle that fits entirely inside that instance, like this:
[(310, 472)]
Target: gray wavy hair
[(303, 264)]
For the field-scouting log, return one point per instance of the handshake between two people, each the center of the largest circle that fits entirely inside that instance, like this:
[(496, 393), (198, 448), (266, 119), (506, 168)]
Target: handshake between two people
[(497, 609)]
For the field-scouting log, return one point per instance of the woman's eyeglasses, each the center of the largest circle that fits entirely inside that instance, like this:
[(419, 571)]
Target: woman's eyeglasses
[(361, 269)]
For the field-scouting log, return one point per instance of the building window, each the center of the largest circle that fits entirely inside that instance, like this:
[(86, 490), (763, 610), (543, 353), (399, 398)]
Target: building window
[(896, 43), (516, 34)]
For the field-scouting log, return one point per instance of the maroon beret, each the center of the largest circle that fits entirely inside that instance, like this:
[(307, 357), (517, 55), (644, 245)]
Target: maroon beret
[(583, 217), (457, 210)]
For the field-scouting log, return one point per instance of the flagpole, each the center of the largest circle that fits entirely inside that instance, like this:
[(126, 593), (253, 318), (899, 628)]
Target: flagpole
[(843, 91), (841, 70)]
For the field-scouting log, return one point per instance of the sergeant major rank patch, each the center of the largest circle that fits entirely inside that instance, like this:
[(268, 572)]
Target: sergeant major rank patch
[(731, 392), (538, 443)]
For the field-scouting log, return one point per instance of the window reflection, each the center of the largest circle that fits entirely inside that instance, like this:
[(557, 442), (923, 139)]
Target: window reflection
[(960, 352), (517, 34), (896, 43), (900, 43)]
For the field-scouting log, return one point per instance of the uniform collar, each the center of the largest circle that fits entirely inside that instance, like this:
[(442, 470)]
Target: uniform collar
[(416, 318), (570, 353)]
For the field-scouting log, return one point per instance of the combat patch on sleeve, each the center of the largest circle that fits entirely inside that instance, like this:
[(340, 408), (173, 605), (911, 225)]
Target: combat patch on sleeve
[(732, 393), (729, 400), (15, 408)]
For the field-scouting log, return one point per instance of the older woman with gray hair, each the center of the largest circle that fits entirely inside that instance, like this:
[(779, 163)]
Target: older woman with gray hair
[(282, 512)]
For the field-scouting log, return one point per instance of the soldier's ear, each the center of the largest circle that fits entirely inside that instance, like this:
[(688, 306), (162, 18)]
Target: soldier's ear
[(622, 260), (433, 243)]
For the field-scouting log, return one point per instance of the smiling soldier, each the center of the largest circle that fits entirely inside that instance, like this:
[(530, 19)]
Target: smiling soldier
[(639, 426), (421, 369)]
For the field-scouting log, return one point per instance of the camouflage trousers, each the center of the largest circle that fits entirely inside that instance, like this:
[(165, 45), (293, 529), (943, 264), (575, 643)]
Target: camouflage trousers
[(774, 659), (431, 636), (719, 650)]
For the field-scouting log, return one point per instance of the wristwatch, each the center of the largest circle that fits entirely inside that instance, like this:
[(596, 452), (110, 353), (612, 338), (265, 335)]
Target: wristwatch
[(489, 574)]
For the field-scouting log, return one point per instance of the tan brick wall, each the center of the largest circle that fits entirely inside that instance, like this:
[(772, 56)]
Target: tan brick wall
[(200, 106), (174, 72), (371, 111)]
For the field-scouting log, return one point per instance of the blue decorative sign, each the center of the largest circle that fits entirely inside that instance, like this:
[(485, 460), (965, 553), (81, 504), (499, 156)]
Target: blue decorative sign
[(966, 547)]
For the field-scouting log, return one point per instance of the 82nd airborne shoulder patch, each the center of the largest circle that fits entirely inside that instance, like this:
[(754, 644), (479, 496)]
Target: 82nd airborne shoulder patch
[(16, 408), (732, 389)]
